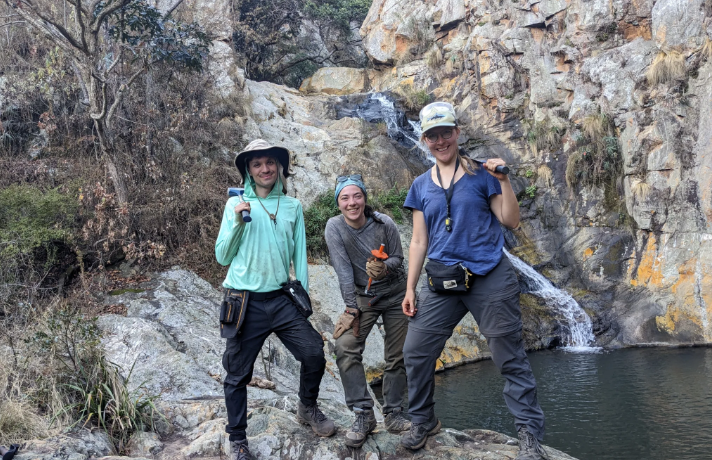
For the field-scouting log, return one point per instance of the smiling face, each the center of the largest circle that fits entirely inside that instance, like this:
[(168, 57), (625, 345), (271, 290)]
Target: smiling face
[(352, 203), (264, 171), (444, 150)]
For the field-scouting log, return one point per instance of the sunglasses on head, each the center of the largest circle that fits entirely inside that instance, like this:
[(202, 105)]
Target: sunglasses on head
[(433, 137), (351, 176)]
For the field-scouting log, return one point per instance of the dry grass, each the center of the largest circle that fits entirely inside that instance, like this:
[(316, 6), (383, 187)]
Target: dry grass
[(594, 126), (545, 174), (434, 58), (707, 49), (413, 99), (640, 189), (666, 67), (572, 169)]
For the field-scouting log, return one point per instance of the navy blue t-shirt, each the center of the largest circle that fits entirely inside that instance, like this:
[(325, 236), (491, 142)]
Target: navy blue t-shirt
[(476, 239)]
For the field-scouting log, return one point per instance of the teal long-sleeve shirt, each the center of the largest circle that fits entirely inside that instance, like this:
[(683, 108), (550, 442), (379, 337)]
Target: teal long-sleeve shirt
[(259, 253)]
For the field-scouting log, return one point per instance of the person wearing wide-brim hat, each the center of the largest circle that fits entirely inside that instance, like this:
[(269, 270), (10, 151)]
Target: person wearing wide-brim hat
[(458, 206), (259, 254)]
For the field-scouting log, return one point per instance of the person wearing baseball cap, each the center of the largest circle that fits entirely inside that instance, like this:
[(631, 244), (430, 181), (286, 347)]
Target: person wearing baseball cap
[(458, 206), (259, 254)]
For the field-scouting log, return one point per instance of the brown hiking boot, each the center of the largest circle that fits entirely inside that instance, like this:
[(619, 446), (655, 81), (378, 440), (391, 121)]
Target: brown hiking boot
[(419, 432), (396, 422), (364, 424), (239, 451), (312, 415), (529, 447)]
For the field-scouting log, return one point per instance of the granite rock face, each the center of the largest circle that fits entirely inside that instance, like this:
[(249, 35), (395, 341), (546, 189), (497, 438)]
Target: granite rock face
[(170, 344), (527, 80)]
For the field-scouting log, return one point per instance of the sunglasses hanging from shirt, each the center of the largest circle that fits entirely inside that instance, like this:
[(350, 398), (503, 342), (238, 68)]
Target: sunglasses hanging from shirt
[(448, 192)]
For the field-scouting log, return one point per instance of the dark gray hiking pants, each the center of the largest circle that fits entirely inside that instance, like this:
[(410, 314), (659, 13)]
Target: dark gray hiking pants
[(262, 317), (493, 300), (349, 350)]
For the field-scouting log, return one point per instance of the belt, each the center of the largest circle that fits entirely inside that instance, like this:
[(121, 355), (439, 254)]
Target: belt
[(265, 295)]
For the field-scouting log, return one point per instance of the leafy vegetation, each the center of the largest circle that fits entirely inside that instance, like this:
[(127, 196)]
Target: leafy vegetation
[(597, 160), (545, 135), (413, 99)]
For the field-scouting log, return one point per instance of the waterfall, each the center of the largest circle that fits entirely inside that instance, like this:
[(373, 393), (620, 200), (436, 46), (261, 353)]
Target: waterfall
[(379, 107), (578, 323)]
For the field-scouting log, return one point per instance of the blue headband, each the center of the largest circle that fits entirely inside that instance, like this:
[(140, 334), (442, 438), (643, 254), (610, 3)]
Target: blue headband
[(340, 186)]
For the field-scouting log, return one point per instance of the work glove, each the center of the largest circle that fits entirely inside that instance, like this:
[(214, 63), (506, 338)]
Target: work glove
[(347, 320), (376, 269)]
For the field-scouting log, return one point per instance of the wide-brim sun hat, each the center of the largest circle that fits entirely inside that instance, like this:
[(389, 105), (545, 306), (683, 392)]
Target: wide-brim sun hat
[(437, 114), (260, 148)]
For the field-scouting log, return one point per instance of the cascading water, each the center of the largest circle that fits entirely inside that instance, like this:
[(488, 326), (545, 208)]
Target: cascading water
[(379, 107), (578, 323)]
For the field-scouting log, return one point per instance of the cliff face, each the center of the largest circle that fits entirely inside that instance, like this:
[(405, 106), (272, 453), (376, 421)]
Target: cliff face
[(541, 83)]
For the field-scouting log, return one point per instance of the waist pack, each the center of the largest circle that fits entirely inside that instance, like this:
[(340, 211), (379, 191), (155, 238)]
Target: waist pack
[(232, 312), (296, 292), (447, 278)]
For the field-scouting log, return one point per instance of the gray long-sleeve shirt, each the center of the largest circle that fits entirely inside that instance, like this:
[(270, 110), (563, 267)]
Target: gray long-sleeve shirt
[(350, 248)]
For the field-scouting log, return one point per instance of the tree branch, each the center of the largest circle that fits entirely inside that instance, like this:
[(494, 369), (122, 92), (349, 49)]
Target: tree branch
[(82, 28), (172, 9), (101, 115), (13, 22), (99, 20), (120, 94)]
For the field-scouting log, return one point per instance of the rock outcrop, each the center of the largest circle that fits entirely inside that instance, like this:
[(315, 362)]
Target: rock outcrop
[(169, 342), (530, 80)]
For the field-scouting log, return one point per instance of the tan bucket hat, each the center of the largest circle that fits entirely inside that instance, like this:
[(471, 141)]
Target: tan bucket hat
[(258, 148)]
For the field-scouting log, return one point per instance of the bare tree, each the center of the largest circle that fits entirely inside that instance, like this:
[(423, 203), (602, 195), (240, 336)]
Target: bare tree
[(110, 44)]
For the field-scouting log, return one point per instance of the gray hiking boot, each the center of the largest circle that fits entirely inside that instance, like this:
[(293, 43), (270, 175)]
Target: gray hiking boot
[(312, 415), (529, 447), (396, 422), (239, 451), (419, 432), (364, 423)]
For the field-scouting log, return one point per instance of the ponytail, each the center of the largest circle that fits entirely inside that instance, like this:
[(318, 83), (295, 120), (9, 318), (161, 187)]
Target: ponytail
[(468, 164)]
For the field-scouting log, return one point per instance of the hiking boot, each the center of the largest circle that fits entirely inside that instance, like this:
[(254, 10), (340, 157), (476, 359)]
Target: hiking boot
[(312, 415), (239, 451), (396, 422), (364, 424), (418, 434), (529, 447)]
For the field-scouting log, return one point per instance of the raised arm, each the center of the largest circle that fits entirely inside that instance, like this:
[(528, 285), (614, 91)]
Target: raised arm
[(505, 206), (417, 252), (231, 230)]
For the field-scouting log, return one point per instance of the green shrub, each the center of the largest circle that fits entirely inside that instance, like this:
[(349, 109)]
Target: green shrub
[(31, 218), (413, 99), (315, 218)]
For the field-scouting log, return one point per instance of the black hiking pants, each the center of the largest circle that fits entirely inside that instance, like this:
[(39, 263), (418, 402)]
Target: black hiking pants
[(263, 317)]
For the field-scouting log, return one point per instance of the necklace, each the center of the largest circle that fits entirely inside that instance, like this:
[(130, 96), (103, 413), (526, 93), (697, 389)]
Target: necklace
[(271, 216)]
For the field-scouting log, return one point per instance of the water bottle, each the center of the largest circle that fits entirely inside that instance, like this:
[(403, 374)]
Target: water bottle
[(238, 192)]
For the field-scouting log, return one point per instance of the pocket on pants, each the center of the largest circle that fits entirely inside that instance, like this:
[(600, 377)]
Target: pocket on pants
[(501, 316), (232, 358)]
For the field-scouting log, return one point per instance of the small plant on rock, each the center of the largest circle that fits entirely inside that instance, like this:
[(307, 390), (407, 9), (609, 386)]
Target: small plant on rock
[(666, 67)]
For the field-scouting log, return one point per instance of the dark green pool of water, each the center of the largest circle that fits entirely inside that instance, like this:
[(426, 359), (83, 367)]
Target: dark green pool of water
[(632, 404)]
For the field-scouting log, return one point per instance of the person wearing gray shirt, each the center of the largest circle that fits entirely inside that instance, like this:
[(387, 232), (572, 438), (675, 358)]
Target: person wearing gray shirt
[(372, 281)]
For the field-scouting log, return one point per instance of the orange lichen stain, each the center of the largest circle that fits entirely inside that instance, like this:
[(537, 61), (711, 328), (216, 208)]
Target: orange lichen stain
[(561, 64), (588, 252), (402, 45), (649, 271), (668, 323), (485, 62), (686, 281), (631, 32), (537, 34)]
